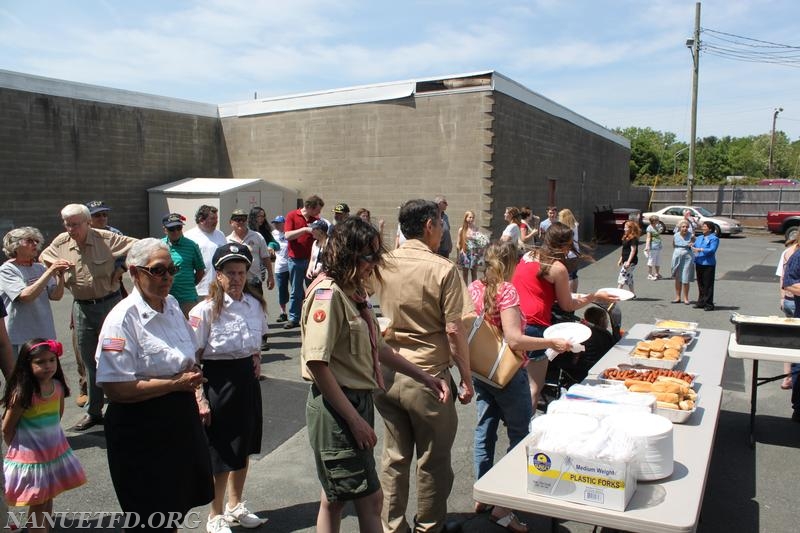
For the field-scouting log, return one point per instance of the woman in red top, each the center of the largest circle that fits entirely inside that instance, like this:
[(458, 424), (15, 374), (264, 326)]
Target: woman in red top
[(541, 279)]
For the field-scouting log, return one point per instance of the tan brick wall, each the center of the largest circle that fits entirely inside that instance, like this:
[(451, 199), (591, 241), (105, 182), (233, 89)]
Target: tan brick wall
[(373, 155), (532, 147)]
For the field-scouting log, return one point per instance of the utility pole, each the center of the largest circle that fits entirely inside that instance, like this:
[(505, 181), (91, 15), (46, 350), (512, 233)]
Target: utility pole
[(694, 45), (772, 140)]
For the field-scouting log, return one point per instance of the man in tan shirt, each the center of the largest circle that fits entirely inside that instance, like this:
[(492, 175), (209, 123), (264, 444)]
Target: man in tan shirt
[(423, 296), (95, 285)]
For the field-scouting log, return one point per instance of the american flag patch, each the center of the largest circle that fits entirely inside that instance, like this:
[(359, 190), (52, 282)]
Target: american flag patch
[(323, 294), (194, 321), (113, 344)]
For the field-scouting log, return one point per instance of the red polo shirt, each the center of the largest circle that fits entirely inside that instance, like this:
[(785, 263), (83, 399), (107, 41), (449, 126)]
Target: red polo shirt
[(299, 248)]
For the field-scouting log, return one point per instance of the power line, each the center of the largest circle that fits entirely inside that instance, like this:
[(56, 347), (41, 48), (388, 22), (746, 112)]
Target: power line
[(739, 48)]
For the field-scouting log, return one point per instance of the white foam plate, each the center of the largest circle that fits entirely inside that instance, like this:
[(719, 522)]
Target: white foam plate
[(575, 332), (622, 294)]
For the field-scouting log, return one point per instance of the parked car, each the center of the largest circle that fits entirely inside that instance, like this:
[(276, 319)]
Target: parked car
[(784, 222), (780, 182), (671, 215)]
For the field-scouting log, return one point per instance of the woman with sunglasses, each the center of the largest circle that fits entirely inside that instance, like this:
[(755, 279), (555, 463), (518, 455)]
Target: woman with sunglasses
[(146, 364), (341, 355), (228, 326), (27, 286)]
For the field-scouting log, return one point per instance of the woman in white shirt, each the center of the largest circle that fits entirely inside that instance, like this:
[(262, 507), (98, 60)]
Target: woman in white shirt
[(228, 327), (512, 232), (281, 265), (157, 455)]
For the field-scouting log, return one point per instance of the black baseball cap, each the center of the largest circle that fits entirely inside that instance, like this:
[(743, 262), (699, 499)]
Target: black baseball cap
[(231, 252)]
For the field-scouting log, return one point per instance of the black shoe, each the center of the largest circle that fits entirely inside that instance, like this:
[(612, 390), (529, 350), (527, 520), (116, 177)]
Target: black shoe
[(709, 308), (283, 317), (86, 422), (698, 306), (290, 325)]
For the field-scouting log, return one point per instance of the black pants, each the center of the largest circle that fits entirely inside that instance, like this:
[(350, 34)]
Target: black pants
[(705, 284)]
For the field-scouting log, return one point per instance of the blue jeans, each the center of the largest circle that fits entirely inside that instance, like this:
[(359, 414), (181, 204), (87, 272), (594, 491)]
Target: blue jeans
[(535, 330), (511, 404), (282, 280), (297, 280)]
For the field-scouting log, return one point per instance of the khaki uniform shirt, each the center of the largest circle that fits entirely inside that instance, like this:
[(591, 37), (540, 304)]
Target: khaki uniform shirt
[(334, 332), (422, 291), (94, 263)]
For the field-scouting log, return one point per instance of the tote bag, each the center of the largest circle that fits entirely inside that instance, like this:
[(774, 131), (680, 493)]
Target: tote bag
[(491, 359)]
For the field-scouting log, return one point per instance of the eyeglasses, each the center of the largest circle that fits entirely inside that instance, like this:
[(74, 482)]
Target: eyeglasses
[(98, 215), (160, 270), (239, 219), (370, 258), (28, 240), (174, 228)]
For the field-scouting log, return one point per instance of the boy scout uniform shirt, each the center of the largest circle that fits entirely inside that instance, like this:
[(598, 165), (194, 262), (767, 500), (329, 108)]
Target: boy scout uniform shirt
[(421, 292), (334, 332), (235, 334), (91, 276)]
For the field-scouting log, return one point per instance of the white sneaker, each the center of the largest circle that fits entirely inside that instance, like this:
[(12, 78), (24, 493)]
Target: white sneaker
[(243, 516), (218, 524)]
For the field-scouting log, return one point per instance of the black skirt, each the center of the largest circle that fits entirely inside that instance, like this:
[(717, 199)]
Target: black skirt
[(157, 456), (234, 395)]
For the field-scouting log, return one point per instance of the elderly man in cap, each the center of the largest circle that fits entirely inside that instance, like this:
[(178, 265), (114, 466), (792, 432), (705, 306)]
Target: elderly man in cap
[(186, 255), (242, 234), (340, 214), (94, 285), (208, 238)]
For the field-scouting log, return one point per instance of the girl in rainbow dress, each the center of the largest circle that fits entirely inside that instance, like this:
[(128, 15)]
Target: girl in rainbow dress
[(39, 464)]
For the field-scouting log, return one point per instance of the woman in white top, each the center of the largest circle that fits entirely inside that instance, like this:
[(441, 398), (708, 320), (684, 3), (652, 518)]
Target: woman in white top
[(228, 327), (157, 455), (512, 232), (319, 230)]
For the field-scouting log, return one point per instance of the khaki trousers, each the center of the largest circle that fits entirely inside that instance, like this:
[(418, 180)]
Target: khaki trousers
[(414, 419)]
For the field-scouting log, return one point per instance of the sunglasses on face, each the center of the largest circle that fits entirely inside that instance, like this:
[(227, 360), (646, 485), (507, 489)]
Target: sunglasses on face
[(370, 258), (98, 215), (239, 219), (160, 270), (175, 228)]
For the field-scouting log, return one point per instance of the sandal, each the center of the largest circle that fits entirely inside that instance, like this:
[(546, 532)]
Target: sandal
[(786, 384), (510, 522), (675, 301)]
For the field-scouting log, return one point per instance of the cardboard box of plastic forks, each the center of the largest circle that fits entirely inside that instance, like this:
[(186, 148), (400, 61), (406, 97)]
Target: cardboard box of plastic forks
[(609, 485)]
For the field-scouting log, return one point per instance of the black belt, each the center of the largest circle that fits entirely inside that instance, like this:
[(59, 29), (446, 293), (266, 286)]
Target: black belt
[(98, 300)]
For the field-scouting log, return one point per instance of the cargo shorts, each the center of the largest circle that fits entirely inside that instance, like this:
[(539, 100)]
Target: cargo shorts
[(344, 471)]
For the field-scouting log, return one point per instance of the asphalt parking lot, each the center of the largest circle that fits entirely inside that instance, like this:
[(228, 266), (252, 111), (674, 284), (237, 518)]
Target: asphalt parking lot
[(747, 490)]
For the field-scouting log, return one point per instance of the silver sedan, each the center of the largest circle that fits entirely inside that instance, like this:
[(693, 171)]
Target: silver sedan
[(671, 215)]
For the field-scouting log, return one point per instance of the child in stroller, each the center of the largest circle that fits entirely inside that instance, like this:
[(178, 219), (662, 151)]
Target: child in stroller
[(570, 368)]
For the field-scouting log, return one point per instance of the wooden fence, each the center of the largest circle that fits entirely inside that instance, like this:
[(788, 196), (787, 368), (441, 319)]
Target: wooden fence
[(735, 201)]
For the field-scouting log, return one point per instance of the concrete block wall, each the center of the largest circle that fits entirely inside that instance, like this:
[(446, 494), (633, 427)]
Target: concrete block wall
[(374, 155), (532, 147), (56, 150)]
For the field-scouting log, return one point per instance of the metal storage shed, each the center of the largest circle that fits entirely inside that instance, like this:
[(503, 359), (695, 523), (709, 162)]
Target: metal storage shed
[(226, 194)]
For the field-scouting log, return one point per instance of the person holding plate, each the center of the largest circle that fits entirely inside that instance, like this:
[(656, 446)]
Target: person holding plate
[(541, 279)]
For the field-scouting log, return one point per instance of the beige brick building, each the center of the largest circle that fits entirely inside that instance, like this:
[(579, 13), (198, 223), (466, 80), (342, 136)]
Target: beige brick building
[(480, 139)]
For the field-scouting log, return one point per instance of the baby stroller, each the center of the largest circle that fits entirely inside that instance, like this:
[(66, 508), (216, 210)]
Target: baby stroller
[(570, 368)]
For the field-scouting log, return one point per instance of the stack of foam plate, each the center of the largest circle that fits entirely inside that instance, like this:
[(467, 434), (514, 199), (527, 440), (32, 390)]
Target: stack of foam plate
[(656, 460)]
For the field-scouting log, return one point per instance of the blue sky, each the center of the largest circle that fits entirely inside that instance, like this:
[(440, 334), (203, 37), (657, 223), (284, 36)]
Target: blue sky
[(617, 62)]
